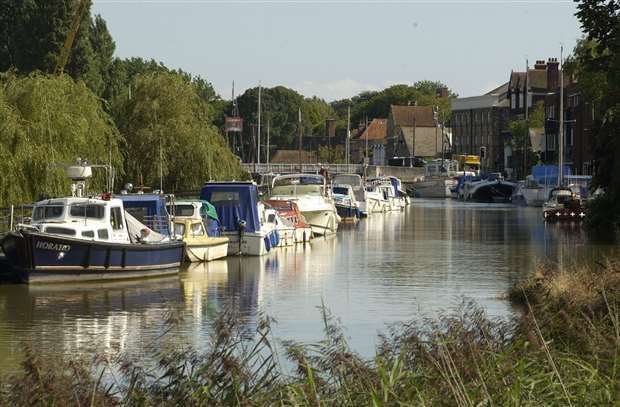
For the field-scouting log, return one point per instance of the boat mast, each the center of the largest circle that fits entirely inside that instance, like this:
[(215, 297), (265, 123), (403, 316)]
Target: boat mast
[(267, 162), (299, 140), (258, 144), (348, 145), (527, 123), (561, 147)]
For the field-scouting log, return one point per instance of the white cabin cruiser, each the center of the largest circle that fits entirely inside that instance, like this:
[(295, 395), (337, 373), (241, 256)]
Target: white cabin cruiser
[(313, 198), (346, 204), (359, 190)]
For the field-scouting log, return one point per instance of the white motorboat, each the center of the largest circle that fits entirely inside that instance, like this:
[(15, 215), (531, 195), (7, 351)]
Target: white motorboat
[(359, 190), (346, 204), (377, 200), (313, 198), (384, 185), (243, 217), (285, 228)]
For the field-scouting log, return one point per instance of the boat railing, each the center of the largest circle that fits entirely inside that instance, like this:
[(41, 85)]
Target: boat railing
[(14, 215), (160, 224)]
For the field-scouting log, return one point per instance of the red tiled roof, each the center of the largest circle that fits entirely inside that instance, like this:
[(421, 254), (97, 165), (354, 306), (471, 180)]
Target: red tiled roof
[(405, 115), (377, 130)]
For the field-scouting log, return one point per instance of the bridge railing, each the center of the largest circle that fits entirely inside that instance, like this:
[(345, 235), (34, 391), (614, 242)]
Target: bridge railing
[(305, 168)]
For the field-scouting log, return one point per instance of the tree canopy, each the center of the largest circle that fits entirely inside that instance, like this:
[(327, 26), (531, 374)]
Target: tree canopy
[(47, 122), (597, 65), (166, 115)]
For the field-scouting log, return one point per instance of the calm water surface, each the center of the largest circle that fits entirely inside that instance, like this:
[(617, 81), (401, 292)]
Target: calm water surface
[(388, 268)]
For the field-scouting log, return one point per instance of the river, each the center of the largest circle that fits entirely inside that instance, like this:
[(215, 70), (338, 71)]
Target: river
[(386, 269)]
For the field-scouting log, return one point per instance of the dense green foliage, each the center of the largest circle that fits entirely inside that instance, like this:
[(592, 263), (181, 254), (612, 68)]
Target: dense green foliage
[(374, 104), (562, 350), (280, 107), (165, 115), (597, 66), (46, 122), (33, 33)]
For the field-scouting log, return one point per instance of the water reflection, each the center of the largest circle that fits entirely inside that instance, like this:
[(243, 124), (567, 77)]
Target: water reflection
[(384, 269)]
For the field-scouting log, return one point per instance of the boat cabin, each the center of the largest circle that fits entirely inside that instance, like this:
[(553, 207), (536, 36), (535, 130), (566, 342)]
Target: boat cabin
[(82, 218), (299, 184)]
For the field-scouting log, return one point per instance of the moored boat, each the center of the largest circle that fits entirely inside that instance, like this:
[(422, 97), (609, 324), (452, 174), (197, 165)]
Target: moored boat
[(438, 179), (313, 198), (289, 211), (242, 216), (359, 190), (72, 239), (563, 205), (346, 204), (199, 246), (492, 189)]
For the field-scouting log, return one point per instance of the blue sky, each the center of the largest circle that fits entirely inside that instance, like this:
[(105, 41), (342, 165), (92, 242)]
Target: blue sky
[(337, 49)]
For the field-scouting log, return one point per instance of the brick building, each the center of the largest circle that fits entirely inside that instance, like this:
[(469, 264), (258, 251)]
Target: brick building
[(479, 121)]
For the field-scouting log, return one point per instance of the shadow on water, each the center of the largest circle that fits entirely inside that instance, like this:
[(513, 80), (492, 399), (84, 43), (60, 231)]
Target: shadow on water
[(385, 269)]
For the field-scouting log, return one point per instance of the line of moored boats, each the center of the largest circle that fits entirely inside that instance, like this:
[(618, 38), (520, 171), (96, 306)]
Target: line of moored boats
[(82, 237)]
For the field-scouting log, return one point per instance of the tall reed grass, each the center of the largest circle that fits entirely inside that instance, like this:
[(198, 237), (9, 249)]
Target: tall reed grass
[(563, 349)]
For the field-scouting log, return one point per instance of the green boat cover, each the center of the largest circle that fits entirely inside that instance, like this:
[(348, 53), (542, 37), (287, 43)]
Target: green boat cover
[(208, 210)]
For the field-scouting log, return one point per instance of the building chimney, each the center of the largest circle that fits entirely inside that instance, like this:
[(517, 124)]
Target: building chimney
[(553, 74), (442, 92), (540, 65)]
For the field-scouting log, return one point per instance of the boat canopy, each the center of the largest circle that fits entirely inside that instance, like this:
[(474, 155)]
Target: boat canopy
[(548, 174), (234, 202), (208, 210), (149, 209)]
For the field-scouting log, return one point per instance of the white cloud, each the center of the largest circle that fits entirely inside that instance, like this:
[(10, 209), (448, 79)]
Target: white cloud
[(333, 90)]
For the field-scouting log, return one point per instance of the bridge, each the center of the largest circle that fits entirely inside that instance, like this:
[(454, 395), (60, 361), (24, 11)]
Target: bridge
[(405, 174)]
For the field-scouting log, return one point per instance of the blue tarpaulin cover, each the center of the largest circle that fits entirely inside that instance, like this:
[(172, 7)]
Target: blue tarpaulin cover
[(234, 202), (548, 174), (149, 209)]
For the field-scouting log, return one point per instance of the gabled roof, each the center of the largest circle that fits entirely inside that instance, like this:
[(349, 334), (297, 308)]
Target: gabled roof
[(537, 79), (407, 115), (292, 157), (376, 130)]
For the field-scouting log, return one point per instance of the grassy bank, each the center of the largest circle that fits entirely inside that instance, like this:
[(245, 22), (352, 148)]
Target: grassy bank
[(562, 350)]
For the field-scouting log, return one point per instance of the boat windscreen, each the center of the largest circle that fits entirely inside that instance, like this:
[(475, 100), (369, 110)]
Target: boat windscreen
[(341, 190), (42, 212)]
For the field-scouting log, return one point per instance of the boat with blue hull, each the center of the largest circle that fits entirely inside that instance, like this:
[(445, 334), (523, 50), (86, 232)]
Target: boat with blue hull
[(81, 238), (35, 257), (346, 204)]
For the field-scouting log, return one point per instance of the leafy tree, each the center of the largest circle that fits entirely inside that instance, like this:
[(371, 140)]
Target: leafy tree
[(167, 116), (33, 33), (47, 122), (597, 61)]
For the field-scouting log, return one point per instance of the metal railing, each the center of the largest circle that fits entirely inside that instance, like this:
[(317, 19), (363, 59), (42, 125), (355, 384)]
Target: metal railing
[(305, 168), (11, 216)]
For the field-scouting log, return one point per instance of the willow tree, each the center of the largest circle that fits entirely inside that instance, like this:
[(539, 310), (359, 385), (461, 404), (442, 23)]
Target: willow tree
[(47, 122), (168, 132)]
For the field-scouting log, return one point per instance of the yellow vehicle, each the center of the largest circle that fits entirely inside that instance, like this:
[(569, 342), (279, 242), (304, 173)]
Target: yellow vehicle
[(468, 163), (198, 245)]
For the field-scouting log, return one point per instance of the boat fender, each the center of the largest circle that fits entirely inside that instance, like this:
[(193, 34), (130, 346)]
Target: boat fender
[(267, 243)]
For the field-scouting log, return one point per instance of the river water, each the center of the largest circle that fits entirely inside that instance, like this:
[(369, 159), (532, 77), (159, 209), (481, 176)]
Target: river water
[(386, 269)]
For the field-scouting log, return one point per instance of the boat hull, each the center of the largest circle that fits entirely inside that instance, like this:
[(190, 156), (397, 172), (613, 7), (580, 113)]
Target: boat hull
[(435, 188), (207, 252), (348, 213), (323, 222), (251, 244), (492, 192), (39, 257)]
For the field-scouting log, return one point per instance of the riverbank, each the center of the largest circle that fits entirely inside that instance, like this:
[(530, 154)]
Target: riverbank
[(563, 349)]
